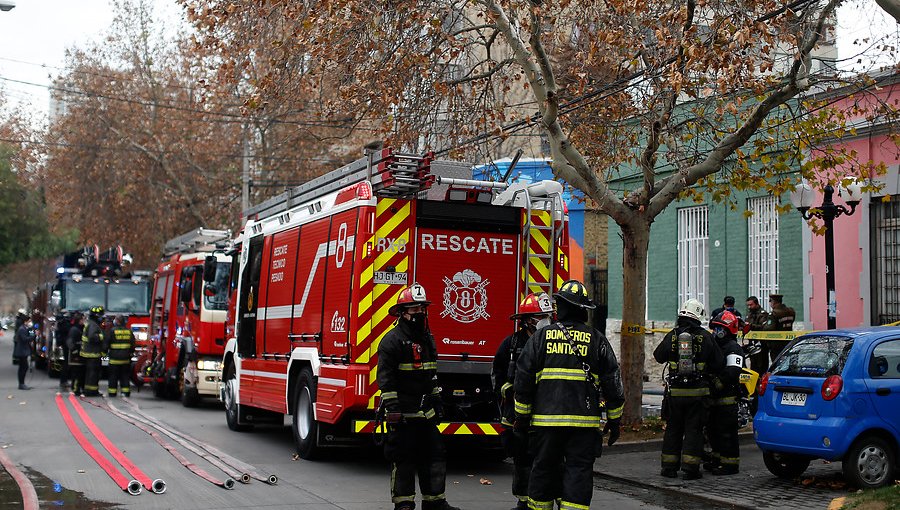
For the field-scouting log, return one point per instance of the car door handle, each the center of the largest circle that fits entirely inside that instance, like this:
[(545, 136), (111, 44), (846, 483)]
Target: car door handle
[(883, 391)]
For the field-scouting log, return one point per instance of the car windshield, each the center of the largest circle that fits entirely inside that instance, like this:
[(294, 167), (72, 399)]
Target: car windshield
[(814, 356)]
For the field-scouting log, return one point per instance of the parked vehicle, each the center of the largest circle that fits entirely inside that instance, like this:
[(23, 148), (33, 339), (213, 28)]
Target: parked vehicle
[(317, 268), (834, 395), (187, 322)]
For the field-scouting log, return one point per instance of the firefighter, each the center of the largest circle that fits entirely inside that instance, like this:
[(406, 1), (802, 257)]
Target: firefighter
[(725, 389), (92, 351), (76, 362), (563, 373), (533, 312), (411, 401), (119, 343), (691, 355)]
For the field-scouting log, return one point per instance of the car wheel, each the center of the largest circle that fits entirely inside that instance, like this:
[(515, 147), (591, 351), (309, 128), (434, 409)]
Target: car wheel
[(785, 465), (231, 405), (870, 463), (305, 427)]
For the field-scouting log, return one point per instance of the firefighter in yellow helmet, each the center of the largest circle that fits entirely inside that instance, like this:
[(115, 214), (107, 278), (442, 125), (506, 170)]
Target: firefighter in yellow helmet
[(119, 343), (691, 356), (534, 312), (92, 350), (411, 400), (565, 371)]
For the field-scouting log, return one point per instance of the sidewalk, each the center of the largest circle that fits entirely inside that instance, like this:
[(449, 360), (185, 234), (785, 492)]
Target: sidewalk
[(637, 464)]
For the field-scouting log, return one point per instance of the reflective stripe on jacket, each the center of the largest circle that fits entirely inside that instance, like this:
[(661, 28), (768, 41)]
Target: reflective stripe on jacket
[(120, 347), (407, 372)]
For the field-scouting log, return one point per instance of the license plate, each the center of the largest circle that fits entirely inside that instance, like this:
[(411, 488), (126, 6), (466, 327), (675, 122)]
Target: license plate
[(389, 278), (793, 399)]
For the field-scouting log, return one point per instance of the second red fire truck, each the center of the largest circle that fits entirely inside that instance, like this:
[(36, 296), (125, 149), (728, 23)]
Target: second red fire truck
[(316, 269), (187, 318)]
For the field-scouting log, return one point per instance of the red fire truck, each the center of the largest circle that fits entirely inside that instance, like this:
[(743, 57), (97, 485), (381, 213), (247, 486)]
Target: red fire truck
[(86, 278), (187, 321), (316, 269)]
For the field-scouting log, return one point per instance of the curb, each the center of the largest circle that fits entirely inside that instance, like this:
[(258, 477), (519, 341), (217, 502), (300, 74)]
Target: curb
[(656, 445)]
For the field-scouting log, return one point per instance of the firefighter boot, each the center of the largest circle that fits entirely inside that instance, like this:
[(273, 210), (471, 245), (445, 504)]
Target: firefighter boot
[(668, 472), (440, 504), (691, 473), (405, 506)]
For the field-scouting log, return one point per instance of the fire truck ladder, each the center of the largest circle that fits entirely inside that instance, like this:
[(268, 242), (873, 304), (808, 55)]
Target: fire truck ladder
[(201, 239), (551, 203), (391, 174)]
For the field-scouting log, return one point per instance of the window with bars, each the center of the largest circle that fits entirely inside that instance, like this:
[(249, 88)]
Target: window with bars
[(884, 239), (693, 254), (762, 240)]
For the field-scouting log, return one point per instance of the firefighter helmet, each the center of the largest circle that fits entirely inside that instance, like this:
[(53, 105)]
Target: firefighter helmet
[(534, 305), (575, 293), (726, 321), (692, 309), (96, 311), (411, 296)]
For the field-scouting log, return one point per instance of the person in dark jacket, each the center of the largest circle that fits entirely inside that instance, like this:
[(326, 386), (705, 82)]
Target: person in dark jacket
[(564, 373), (533, 310), (76, 362), (727, 306), (411, 401), (92, 351), (63, 324), (781, 318), (725, 389), (756, 319), (690, 354), (119, 344), (22, 350)]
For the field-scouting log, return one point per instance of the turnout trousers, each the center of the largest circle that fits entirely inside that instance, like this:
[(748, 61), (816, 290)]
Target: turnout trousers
[(563, 467), (119, 377), (92, 377), (516, 446), (76, 375), (416, 447), (722, 428), (683, 441)]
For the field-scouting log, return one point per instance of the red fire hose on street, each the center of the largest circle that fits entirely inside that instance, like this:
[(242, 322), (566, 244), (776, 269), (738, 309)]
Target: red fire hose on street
[(29, 495), (158, 486), (228, 483), (133, 487)]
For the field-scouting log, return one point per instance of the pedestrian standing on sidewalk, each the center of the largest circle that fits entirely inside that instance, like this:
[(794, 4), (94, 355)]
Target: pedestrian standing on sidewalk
[(533, 311), (92, 350), (22, 350), (120, 346), (76, 362), (411, 398), (690, 354), (565, 371), (781, 318), (722, 425)]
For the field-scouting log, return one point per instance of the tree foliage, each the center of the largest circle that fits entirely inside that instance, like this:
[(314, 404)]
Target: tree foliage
[(661, 96)]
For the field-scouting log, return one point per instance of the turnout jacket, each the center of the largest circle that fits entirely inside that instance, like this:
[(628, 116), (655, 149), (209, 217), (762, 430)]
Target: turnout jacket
[(550, 385), (725, 387), (74, 343), (706, 357), (119, 343), (91, 340), (407, 372), (503, 373)]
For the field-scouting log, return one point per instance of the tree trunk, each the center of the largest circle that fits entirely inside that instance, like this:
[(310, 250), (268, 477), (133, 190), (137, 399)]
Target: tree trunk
[(636, 241)]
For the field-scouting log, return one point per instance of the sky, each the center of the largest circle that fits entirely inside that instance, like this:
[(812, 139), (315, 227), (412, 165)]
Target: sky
[(35, 34)]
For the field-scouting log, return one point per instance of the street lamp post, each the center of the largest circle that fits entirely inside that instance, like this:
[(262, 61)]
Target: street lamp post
[(802, 199)]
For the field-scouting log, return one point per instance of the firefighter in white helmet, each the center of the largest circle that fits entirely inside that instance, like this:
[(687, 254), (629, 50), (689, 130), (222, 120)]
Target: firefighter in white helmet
[(411, 400), (534, 312), (691, 355)]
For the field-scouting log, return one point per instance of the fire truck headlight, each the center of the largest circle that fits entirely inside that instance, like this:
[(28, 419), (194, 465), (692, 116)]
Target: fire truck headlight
[(208, 365), (140, 336)]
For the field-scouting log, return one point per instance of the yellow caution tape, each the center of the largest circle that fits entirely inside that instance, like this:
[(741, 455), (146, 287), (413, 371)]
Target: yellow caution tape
[(633, 329), (784, 336)]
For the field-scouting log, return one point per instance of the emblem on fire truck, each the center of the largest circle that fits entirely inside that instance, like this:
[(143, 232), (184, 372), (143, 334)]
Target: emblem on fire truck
[(465, 299)]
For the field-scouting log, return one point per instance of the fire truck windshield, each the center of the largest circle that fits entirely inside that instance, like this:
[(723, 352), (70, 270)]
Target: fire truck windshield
[(128, 297), (84, 294), (219, 300)]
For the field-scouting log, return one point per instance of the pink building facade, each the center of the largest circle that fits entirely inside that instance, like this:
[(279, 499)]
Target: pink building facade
[(867, 243)]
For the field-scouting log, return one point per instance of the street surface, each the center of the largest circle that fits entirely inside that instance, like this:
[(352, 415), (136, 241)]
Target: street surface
[(34, 436)]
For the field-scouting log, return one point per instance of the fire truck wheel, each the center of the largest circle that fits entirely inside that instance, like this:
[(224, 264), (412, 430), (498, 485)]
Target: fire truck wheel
[(306, 430), (231, 407)]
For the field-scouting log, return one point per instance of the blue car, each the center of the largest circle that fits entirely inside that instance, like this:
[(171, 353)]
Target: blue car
[(834, 395)]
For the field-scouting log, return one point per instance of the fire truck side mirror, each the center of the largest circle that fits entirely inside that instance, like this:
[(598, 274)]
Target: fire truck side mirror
[(209, 290), (184, 293), (209, 269)]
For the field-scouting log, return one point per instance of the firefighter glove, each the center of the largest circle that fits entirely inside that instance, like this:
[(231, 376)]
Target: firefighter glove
[(521, 423), (612, 428), (393, 417)]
